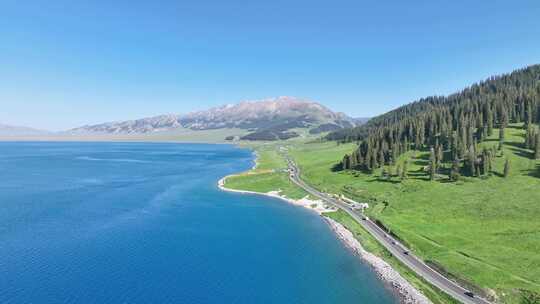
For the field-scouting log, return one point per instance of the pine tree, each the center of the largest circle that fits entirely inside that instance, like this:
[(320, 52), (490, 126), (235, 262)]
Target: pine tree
[(530, 137), (353, 159), (477, 169), (432, 165), (454, 145), (537, 146), (373, 163), (506, 167), (489, 118), (384, 173), (440, 155), (484, 163), (471, 161), (528, 113), (489, 161), (404, 172), (454, 172), (346, 163), (470, 138), (480, 133), (368, 156), (501, 137), (504, 118), (381, 157), (394, 153)]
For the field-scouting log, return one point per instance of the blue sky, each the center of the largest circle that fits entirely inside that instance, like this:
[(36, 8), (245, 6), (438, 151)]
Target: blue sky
[(69, 63)]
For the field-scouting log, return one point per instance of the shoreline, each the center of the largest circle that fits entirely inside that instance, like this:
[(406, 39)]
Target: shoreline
[(404, 290), (317, 206), (407, 293)]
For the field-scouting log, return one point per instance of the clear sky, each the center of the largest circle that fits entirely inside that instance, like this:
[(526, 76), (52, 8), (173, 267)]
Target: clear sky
[(67, 63)]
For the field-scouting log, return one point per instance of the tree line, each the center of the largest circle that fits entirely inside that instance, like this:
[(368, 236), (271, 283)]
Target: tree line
[(451, 127)]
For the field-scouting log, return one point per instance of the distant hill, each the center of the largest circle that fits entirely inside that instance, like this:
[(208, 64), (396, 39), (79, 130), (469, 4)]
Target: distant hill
[(268, 119), (361, 120), (15, 131), (138, 126)]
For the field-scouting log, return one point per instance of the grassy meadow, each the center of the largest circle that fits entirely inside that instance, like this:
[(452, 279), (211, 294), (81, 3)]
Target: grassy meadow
[(485, 231), (269, 174), (370, 244)]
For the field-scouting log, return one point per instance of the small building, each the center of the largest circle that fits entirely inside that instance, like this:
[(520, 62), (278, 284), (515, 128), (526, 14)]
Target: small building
[(354, 204)]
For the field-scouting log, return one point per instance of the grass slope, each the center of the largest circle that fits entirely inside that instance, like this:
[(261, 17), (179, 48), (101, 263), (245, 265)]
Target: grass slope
[(485, 231), (371, 245), (269, 175)]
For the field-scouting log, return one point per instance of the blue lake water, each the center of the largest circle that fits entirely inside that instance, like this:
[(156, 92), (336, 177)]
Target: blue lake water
[(145, 223)]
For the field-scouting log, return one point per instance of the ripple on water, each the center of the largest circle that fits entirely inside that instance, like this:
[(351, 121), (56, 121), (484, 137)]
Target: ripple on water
[(145, 223)]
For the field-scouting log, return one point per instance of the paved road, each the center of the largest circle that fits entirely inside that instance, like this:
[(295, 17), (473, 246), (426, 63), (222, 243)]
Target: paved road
[(398, 250)]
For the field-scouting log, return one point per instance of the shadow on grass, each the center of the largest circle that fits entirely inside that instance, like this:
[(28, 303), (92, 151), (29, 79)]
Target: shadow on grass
[(443, 171), (419, 172), (337, 167), (420, 162), (520, 127), (424, 156), (514, 144), (445, 180), (521, 152), (382, 180), (498, 174), (534, 172)]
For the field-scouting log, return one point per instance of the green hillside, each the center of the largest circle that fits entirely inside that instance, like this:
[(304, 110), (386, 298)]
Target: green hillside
[(485, 231), (269, 174)]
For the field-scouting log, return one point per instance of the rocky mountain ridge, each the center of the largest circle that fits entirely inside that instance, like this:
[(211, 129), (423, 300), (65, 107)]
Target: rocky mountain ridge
[(268, 119)]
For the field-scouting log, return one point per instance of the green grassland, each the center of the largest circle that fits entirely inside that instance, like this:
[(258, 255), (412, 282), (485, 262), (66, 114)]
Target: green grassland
[(482, 230), (371, 245), (269, 175)]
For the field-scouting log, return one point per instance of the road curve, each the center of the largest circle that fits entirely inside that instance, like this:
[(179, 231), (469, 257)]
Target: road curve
[(399, 251)]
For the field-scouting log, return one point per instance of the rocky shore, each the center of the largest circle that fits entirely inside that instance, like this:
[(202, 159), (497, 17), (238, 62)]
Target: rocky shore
[(407, 293)]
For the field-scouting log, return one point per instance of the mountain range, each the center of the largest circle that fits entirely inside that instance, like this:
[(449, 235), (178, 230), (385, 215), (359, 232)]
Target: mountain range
[(267, 119), (13, 131)]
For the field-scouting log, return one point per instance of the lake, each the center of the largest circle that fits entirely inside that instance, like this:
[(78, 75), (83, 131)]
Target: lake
[(146, 223)]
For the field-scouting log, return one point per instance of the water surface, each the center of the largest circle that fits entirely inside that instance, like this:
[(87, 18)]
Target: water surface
[(145, 223)]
